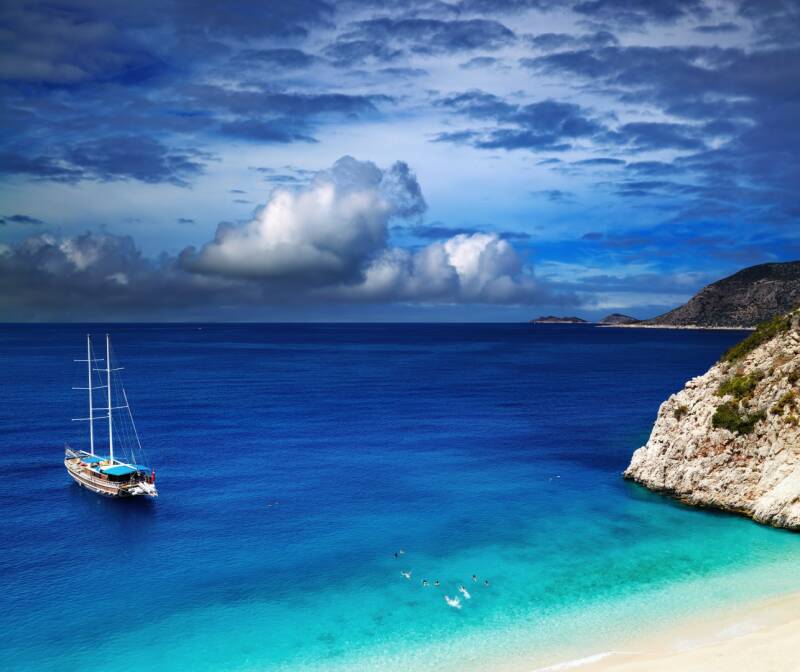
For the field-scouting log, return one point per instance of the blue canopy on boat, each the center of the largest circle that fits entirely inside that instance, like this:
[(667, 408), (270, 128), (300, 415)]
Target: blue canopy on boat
[(119, 470), (92, 459), (141, 467)]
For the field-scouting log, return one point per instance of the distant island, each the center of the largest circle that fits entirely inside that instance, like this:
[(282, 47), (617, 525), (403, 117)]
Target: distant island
[(552, 319), (619, 318)]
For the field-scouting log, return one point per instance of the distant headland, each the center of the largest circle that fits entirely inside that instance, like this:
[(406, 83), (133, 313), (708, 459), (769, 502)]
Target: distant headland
[(740, 301)]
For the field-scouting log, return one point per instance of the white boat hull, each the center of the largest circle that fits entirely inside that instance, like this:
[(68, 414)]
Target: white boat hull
[(85, 479)]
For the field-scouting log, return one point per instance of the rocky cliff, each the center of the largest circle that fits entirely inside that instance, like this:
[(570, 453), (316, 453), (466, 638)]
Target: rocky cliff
[(743, 299), (730, 438)]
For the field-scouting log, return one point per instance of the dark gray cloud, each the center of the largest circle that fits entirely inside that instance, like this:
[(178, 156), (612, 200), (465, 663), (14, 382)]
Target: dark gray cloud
[(26, 220), (632, 13), (482, 62), (718, 28), (740, 102), (112, 158), (282, 130), (776, 22), (545, 125), (350, 52), (658, 135), (600, 161), (562, 41), (68, 44), (430, 36), (554, 195)]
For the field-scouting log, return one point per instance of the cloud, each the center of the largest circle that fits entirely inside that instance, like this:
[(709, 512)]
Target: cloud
[(632, 13), (554, 195), (324, 234), (545, 125), (718, 28), (600, 161), (68, 45), (289, 59), (325, 242), (26, 220), (438, 231), (112, 158), (658, 135), (467, 268), (561, 41), (430, 36), (349, 52), (480, 62)]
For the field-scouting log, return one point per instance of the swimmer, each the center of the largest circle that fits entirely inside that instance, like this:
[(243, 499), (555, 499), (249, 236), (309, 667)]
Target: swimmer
[(464, 592), (474, 577), (436, 583), (424, 583), (407, 574), (453, 602), (486, 582)]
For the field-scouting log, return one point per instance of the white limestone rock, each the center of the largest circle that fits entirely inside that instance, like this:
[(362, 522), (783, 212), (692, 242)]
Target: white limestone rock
[(756, 474)]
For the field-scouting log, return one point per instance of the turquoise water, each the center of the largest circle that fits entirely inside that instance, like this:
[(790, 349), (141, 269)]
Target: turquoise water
[(293, 461)]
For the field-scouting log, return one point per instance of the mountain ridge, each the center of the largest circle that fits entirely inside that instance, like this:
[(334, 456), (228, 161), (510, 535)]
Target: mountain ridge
[(745, 299)]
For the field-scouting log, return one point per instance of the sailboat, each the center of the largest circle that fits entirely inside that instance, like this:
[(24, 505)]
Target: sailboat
[(107, 474)]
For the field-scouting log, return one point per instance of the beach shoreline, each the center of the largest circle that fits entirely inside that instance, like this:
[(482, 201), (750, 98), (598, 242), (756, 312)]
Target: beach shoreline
[(757, 635)]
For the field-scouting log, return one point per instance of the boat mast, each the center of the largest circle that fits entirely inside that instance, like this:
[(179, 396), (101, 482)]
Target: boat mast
[(91, 409), (110, 423)]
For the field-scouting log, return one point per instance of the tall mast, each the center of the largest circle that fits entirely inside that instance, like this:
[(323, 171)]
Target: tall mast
[(91, 409), (108, 381)]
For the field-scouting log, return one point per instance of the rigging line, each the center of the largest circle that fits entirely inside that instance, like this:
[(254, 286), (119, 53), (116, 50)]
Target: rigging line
[(120, 427), (142, 452), (128, 437), (133, 424)]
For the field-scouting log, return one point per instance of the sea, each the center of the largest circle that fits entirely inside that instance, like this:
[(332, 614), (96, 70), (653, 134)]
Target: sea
[(302, 469)]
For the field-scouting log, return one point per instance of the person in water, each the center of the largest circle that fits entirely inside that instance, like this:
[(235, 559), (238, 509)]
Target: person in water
[(436, 583), (474, 577), (486, 582), (425, 583)]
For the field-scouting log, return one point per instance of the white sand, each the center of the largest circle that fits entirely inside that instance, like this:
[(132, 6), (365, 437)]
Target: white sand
[(761, 637)]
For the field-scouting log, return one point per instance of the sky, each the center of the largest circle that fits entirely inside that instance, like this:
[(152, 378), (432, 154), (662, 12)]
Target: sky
[(473, 160)]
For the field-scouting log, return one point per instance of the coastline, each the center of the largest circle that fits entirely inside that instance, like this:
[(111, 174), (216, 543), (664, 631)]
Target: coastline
[(675, 326), (763, 634)]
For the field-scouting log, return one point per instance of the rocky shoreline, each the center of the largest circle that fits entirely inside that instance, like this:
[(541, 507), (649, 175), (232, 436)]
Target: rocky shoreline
[(642, 325), (730, 439)]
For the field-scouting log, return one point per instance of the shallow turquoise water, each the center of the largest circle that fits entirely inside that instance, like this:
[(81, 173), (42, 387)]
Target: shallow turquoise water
[(294, 460)]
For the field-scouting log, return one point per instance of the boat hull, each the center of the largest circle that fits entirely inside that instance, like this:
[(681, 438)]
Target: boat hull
[(107, 488)]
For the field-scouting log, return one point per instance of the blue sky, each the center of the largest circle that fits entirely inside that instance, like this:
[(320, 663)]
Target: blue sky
[(312, 160)]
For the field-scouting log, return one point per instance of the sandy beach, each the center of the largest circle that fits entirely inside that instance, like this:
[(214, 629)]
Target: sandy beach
[(759, 637)]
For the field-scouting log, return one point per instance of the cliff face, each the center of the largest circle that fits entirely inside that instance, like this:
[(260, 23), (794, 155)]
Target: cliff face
[(743, 299), (731, 438)]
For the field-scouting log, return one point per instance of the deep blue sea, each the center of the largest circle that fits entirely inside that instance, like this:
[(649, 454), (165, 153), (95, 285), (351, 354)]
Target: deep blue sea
[(293, 461)]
